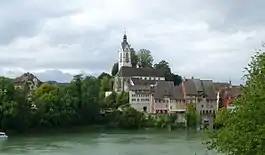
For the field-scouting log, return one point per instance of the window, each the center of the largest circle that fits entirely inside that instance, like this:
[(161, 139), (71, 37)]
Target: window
[(138, 99), (211, 106), (170, 107), (202, 105)]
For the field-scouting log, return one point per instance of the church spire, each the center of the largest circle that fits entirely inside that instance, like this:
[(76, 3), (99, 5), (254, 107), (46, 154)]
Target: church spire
[(125, 37), (124, 42), (125, 53)]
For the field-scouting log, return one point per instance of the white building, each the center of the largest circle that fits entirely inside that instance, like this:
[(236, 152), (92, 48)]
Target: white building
[(123, 79)]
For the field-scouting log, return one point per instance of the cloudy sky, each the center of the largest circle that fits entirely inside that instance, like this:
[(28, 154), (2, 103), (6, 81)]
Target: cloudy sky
[(56, 38)]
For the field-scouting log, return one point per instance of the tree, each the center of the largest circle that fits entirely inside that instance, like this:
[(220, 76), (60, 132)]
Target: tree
[(115, 69), (134, 58), (131, 119), (103, 75), (192, 117), (14, 106), (110, 101), (175, 78), (243, 131), (145, 59), (122, 99), (164, 67), (45, 88)]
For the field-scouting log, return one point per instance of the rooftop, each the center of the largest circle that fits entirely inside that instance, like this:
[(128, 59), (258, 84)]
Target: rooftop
[(131, 71)]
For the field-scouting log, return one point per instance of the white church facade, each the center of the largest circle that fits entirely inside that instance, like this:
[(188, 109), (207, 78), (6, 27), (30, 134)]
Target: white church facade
[(124, 78)]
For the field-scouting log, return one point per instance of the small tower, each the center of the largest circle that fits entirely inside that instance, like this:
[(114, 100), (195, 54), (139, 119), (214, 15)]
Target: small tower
[(125, 53)]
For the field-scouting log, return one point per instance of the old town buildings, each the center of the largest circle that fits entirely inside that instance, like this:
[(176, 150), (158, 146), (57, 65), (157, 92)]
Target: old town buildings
[(149, 91)]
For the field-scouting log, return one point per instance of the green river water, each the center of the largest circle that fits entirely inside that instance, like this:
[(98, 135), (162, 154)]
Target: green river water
[(107, 143)]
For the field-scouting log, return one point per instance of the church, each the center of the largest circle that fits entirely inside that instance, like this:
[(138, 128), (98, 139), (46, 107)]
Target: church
[(128, 76)]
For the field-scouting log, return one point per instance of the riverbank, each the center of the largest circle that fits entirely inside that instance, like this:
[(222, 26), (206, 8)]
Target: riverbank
[(92, 129)]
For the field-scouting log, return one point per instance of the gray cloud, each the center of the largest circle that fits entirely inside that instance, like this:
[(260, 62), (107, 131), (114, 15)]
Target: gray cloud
[(206, 39), (55, 75)]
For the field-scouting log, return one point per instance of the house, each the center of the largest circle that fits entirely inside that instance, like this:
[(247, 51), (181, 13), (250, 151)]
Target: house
[(218, 88), (127, 75), (166, 98), (139, 97), (28, 80), (229, 94), (156, 97), (201, 94)]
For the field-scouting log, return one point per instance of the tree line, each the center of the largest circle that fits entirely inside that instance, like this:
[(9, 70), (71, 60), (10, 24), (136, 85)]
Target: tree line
[(79, 103), (60, 106)]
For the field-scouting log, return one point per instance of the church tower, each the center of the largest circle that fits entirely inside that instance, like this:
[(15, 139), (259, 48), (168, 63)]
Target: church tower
[(125, 54)]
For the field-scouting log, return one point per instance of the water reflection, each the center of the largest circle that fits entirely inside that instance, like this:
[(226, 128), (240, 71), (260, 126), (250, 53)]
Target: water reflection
[(124, 143)]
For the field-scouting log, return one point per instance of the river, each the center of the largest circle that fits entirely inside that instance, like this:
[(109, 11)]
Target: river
[(107, 143)]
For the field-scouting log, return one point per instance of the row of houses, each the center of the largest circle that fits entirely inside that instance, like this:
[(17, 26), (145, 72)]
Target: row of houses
[(163, 97)]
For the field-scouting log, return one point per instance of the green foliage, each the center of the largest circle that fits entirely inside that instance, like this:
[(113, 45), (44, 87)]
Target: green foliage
[(122, 99), (145, 59), (169, 76), (221, 118), (193, 119), (51, 106), (104, 75), (243, 131), (110, 101), (131, 119), (134, 58), (164, 67), (115, 69), (175, 78), (165, 121)]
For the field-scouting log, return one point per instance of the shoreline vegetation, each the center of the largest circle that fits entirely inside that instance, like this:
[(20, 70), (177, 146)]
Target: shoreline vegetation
[(242, 131), (82, 102)]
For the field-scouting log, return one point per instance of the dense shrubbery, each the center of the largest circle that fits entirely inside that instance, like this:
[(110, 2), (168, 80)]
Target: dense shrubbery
[(78, 103), (243, 130), (193, 118), (52, 106)]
